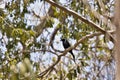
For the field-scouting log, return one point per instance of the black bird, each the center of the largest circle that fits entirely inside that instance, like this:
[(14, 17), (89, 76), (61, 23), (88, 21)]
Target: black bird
[(66, 45)]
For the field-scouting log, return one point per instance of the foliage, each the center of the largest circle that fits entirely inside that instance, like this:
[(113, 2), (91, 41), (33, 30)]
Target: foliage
[(25, 54)]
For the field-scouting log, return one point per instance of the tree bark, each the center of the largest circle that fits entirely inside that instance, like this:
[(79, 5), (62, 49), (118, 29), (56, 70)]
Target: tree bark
[(117, 37)]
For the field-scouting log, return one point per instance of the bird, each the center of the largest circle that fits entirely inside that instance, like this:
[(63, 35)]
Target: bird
[(66, 45)]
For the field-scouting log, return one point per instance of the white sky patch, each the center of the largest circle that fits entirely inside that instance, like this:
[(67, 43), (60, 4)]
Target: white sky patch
[(110, 45), (2, 5), (63, 1), (35, 56)]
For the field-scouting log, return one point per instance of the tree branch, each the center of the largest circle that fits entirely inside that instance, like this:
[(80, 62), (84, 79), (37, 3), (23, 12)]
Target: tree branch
[(41, 26), (52, 39), (67, 50), (75, 14)]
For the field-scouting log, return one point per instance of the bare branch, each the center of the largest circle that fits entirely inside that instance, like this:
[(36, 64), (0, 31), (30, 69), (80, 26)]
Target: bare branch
[(29, 51), (52, 39), (40, 27), (75, 14), (67, 50), (53, 36)]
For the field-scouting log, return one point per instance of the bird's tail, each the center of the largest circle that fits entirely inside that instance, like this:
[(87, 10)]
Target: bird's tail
[(72, 55)]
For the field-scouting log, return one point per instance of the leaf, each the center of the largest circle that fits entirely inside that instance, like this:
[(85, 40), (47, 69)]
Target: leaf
[(78, 69), (2, 12), (69, 76), (32, 33)]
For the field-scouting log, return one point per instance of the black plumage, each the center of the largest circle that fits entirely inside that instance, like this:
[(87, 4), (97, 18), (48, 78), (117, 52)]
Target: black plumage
[(66, 45)]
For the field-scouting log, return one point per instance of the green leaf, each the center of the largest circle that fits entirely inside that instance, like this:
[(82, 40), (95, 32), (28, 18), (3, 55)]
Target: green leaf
[(69, 76)]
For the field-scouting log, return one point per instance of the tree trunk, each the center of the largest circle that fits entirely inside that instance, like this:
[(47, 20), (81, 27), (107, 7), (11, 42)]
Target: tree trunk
[(117, 38)]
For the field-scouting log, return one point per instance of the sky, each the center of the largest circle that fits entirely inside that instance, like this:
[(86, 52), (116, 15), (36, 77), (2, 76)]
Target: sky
[(38, 8)]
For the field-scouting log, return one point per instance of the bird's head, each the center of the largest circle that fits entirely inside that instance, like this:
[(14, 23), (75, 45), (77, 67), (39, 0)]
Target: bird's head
[(62, 39)]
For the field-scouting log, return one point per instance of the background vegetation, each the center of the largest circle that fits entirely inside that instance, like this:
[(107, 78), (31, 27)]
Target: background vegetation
[(30, 46)]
